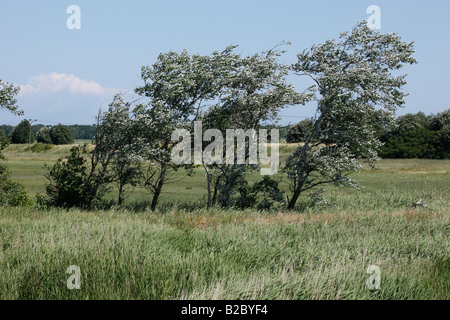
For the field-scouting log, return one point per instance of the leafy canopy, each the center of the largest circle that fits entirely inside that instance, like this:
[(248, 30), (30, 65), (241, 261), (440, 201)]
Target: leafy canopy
[(355, 88)]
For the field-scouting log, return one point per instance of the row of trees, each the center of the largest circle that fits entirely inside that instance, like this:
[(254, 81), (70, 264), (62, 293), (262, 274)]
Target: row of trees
[(78, 131), (418, 136), (409, 136), (23, 133), (351, 82)]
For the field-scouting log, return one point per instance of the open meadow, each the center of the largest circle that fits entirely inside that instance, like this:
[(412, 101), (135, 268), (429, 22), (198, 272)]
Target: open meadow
[(184, 252)]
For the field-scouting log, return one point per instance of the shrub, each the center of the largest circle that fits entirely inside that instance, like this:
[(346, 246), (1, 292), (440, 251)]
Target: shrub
[(41, 147), (263, 195), (11, 193), (71, 183)]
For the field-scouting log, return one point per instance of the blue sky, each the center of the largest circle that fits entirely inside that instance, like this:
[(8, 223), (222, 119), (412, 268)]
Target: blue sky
[(66, 75)]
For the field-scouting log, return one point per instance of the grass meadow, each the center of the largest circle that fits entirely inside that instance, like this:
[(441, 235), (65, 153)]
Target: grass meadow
[(183, 252)]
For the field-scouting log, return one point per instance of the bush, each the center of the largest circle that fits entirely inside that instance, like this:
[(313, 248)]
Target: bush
[(70, 183), (41, 147), (21, 133), (11, 193), (263, 195), (60, 135)]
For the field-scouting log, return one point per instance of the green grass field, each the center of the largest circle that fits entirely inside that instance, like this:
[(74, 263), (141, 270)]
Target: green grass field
[(318, 253)]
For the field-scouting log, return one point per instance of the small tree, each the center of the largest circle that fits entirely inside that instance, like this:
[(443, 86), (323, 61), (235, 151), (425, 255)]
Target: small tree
[(355, 91), (115, 146), (60, 135), (21, 133), (70, 182)]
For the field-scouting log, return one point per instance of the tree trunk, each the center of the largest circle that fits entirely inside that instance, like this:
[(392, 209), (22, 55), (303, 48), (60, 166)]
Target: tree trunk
[(208, 181), (208, 185), (158, 188), (303, 174), (120, 200), (293, 201), (214, 197)]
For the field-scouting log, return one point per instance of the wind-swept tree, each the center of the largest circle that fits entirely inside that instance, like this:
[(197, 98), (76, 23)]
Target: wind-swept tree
[(356, 89), (179, 86), (115, 146), (254, 91)]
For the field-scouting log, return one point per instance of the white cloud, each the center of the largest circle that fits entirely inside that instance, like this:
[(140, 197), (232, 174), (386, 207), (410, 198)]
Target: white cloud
[(57, 82)]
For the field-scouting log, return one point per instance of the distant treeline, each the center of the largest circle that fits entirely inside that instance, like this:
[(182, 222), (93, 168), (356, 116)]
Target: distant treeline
[(83, 132), (409, 136)]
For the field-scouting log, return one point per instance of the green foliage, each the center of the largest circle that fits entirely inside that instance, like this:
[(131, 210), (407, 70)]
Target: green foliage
[(41, 147), (11, 193), (269, 193), (416, 143), (298, 132), (60, 135), (179, 86), (418, 136), (115, 146), (254, 90), (7, 129), (4, 141), (411, 122), (21, 133), (264, 194), (7, 97), (442, 143), (70, 182), (355, 90), (86, 132), (43, 136)]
